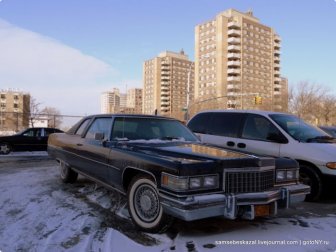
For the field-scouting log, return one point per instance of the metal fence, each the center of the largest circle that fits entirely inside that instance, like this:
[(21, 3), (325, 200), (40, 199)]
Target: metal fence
[(11, 122)]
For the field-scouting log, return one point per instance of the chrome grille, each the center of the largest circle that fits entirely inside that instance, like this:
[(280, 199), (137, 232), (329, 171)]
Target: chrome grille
[(248, 181)]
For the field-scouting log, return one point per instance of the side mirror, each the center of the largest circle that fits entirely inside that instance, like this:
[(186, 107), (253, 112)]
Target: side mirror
[(99, 136), (278, 138)]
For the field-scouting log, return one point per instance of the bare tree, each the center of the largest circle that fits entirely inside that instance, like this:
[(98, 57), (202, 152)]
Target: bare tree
[(312, 102), (34, 107), (54, 116)]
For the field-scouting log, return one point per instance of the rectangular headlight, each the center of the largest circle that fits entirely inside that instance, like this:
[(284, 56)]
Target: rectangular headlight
[(174, 183), (291, 174), (195, 182), (210, 181), (280, 175)]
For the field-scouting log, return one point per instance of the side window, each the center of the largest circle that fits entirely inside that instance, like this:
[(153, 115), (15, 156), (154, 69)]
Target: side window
[(81, 129), (29, 133), (258, 127), (125, 128), (47, 132), (99, 125), (199, 123), (225, 124)]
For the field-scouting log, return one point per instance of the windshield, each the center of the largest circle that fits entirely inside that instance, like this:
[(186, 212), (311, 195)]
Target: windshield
[(299, 129), (128, 128)]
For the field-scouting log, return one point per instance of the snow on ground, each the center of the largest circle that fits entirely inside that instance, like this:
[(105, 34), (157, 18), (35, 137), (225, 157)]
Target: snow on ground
[(39, 213)]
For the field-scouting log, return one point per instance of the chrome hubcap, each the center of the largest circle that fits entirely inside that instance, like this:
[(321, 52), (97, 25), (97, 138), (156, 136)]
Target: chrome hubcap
[(146, 203)]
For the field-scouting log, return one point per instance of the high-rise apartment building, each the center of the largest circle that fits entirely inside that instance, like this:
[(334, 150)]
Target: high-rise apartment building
[(110, 101), (14, 110), (168, 84), (237, 58), (134, 99)]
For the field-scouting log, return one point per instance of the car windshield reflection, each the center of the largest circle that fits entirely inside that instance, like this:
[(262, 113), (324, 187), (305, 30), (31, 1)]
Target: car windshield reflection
[(299, 129)]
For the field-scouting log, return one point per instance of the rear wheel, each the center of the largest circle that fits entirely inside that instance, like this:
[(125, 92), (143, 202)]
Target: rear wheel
[(67, 174), (309, 176), (144, 205), (5, 148)]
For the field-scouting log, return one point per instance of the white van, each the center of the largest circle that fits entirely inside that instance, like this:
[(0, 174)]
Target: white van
[(274, 134)]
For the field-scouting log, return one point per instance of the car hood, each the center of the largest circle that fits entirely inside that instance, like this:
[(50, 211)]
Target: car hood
[(189, 152)]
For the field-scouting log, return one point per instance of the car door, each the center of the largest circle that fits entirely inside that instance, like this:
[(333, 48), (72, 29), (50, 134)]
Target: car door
[(94, 152), (223, 129), (260, 136), (29, 140)]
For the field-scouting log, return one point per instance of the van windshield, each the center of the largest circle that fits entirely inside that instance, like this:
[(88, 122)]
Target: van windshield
[(300, 130)]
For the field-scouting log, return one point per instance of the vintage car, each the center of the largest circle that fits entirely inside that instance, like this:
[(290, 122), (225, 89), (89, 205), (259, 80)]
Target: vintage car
[(31, 139), (166, 172)]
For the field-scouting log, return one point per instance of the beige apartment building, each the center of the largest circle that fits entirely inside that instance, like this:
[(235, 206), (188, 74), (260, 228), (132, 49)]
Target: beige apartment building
[(134, 100), (237, 58), (116, 102), (168, 84), (110, 101), (14, 110)]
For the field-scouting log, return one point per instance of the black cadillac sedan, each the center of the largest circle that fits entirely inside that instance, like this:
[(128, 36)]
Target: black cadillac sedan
[(31, 139), (165, 172)]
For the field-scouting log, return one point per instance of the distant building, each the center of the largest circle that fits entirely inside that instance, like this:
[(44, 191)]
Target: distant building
[(116, 102), (39, 121), (168, 84), (14, 110), (238, 58), (134, 100), (110, 101)]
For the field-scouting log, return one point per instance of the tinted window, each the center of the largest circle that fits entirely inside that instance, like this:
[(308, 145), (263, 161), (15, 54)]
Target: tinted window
[(225, 124), (199, 123), (258, 127), (99, 125), (81, 129)]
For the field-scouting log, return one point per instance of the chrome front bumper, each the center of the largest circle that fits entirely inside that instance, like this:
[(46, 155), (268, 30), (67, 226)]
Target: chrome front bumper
[(232, 206)]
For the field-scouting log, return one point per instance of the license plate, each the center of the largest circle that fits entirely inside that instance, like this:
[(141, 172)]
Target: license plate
[(262, 210)]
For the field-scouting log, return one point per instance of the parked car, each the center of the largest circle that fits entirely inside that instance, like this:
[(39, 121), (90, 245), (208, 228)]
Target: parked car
[(31, 139), (166, 172), (273, 134), (331, 130)]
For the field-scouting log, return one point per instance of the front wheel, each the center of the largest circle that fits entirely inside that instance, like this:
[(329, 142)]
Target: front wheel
[(309, 176), (67, 174), (144, 205), (5, 148)]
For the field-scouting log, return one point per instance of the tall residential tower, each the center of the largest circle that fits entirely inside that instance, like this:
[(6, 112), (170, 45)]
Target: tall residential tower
[(237, 58), (168, 84)]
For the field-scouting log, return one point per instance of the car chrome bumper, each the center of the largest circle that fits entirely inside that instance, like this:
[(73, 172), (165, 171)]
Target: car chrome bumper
[(232, 206)]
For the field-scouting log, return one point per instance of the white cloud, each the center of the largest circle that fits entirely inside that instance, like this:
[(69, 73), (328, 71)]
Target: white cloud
[(55, 74)]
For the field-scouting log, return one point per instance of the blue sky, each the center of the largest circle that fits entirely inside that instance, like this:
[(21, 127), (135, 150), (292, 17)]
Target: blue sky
[(66, 52)]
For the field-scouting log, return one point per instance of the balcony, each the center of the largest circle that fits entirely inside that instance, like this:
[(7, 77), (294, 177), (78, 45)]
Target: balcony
[(232, 48), (277, 38), (277, 46), (277, 86), (233, 55), (233, 78), (233, 63), (233, 40), (277, 79), (233, 24), (233, 71), (233, 32), (277, 93)]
